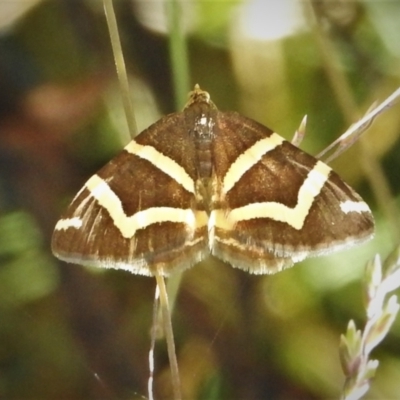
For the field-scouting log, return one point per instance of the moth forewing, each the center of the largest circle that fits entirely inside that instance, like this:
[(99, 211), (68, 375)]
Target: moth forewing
[(133, 214), (280, 205)]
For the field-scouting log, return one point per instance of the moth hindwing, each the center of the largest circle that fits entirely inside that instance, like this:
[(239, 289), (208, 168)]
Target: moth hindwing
[(204, 181)]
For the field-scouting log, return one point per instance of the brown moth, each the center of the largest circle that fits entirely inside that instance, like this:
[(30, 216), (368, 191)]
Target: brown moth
[(203, 181)]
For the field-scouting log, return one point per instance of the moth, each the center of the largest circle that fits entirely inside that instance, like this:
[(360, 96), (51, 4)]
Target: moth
[(203, 181)]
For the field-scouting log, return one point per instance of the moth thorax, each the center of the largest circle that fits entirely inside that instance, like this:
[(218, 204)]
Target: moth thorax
[(203, 135)]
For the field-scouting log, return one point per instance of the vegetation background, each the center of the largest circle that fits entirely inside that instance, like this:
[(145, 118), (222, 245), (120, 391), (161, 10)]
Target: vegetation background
[(67, 332)]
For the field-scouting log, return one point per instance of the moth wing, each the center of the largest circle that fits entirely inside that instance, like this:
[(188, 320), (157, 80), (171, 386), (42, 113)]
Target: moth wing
[(139, 212), (275, 204)]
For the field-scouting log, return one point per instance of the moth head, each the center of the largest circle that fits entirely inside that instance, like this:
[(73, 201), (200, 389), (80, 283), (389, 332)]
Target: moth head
[(198, 96)]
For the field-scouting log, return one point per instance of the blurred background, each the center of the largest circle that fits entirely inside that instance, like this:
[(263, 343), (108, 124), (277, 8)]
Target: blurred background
[(67, 332)]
